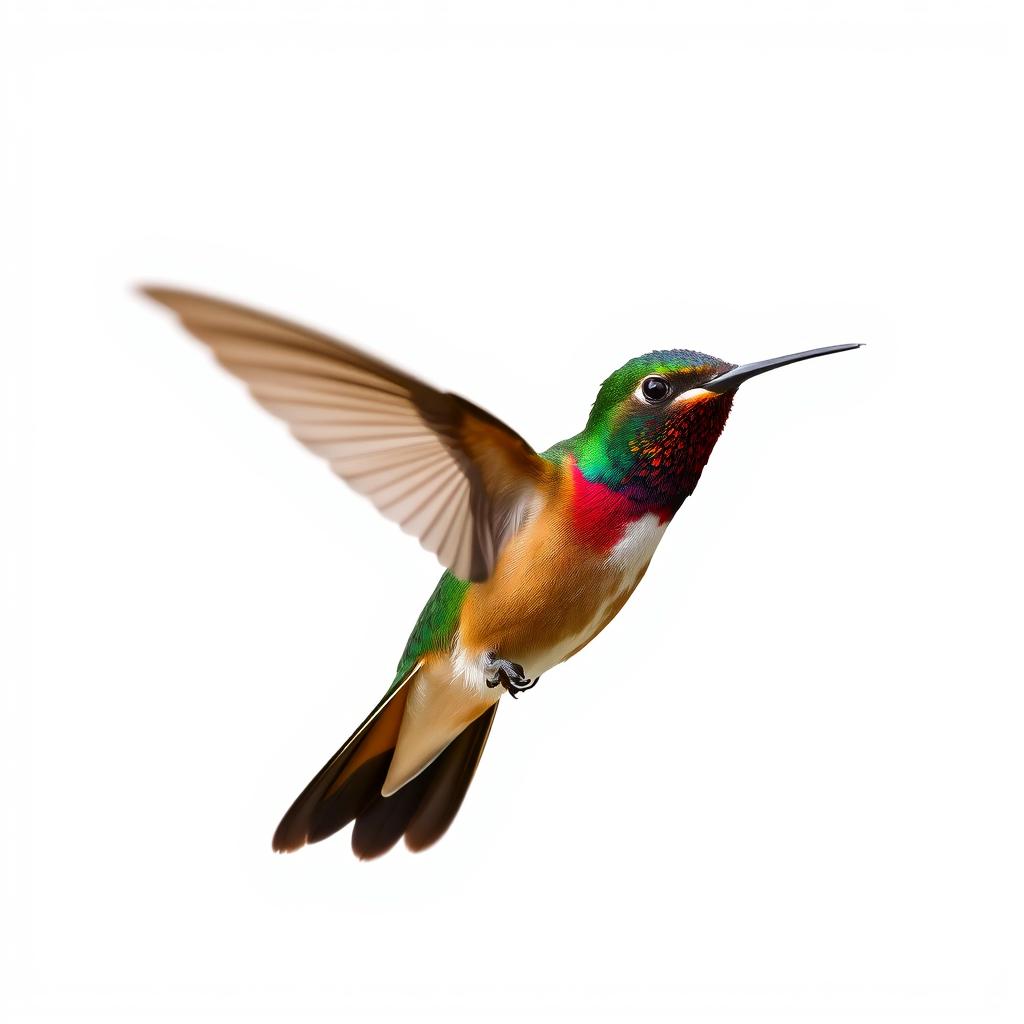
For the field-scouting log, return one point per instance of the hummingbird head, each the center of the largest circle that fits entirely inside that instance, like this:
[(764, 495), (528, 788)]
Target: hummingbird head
[(656, 420)]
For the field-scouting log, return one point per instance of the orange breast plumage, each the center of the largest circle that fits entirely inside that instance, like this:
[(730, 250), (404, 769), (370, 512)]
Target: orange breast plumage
[(562, 579)]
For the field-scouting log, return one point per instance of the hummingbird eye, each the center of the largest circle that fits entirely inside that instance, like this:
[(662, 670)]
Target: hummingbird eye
[(655, 390)]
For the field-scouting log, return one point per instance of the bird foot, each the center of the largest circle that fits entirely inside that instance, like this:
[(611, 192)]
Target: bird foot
[(510, 675)]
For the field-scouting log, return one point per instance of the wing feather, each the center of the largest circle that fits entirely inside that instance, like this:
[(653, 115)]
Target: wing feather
[(445, 470)]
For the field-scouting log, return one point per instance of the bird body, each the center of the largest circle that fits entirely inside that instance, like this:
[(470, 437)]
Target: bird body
[(543, 549), (553, 590), (578, 554)]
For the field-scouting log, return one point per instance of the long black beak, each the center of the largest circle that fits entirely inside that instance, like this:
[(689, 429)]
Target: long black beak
[(732, 379)]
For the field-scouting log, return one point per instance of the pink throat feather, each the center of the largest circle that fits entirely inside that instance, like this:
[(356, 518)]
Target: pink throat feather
[(600, 515)]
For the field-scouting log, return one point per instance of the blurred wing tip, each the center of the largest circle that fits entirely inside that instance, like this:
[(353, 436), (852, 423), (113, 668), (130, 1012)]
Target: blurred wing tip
[(174, 298), (164, 294)]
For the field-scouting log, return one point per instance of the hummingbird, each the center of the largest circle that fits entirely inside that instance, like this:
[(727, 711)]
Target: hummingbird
[(541, 549)]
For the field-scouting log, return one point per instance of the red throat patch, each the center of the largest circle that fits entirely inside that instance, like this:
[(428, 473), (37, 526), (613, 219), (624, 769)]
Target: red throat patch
[(599, 515)]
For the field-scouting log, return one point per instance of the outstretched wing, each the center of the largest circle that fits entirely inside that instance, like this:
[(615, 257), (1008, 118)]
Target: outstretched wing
[(445, 470)]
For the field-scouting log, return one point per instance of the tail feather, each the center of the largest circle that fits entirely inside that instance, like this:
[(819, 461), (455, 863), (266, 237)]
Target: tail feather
[(336, 811), (423, 808), (348, 788), (324, 799), (451, 774), (384, 821)]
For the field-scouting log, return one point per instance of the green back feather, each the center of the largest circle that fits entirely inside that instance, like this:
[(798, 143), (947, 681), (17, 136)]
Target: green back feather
[(436, 625)]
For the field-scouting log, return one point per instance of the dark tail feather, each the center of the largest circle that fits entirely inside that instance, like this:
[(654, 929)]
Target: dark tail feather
[(451, 775), (344, 786), (425, 806), (358, 793), (382, 822), (348, 788)]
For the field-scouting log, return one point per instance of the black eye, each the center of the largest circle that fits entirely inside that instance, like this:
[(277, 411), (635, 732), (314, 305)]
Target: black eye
[(655, 390)]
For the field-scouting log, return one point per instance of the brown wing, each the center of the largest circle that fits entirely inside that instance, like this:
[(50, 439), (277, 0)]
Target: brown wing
[(446, 471)]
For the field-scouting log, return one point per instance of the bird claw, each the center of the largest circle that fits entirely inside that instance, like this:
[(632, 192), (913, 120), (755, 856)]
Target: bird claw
[(509, 675)]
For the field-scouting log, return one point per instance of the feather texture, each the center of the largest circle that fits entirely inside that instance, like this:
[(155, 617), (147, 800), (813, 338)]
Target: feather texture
[(349, 781), (445, 470), (348, 787)]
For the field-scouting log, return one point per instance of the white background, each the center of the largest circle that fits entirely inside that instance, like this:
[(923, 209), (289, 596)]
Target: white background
[(786, 783)]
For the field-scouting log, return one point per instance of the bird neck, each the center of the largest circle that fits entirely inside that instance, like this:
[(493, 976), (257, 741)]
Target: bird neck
[(599, 515), (654, 466)]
